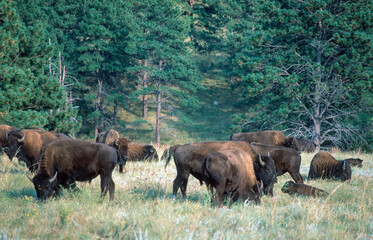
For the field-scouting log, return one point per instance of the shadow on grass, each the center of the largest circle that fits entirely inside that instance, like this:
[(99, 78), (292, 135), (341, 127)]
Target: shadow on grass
[(20, 193)]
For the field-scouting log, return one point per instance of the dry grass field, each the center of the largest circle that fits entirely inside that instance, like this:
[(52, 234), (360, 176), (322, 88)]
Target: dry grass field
[(145, 209)]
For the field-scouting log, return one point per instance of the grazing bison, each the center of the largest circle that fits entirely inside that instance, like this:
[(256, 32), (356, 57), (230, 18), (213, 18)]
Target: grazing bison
[(4, 131), (276, 138), (138, 152), (188, 159), (305, 145), (291, 188), (286, 159), (107, 137), (64, 162), (27, 145), (355, 162), (231, 171), (169, 152), (324, 165)]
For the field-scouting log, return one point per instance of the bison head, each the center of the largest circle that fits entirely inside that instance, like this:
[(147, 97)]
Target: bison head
[(291, 142), (122, 145), (265, 171), (287, 187), (45, 185), (343, 171), (13, 142), (150, 153)]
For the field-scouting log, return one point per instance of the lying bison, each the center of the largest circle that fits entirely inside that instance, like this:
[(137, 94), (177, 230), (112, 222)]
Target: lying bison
[(27, 145), (276, 138), (286, 159), (324, 165), (64, 162), (355, 162), (188, 159), (231, 171), (305, 145), (291, 188)]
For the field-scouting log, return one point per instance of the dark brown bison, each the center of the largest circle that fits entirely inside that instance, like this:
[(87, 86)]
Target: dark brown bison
[(168, 153), (64, 162), (231, 171), (305, 145), (138, 152), (355, 162), (286, 159), (27, 145), (291, 188), (276, 138), (188, 159), (107, 137), (324, 165)]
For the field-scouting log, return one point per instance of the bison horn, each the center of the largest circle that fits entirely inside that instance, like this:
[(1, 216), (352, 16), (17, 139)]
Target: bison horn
[(344, 165), (261, 161), (22, 139), (29, 178), (6, 137), (53, 178)]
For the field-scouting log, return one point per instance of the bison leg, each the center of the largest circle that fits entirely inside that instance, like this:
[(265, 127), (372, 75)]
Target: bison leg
[(180, 182), (111, 189), (220, 195), (296, 176), (105, 185)]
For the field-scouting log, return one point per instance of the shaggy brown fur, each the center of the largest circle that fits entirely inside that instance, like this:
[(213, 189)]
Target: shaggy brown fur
[(286, 159), (138, 152), (64, 162), (107, 137), (324, 165), (30, 148), (188, 159), (4, 131), (276, 138), (291, 188), (231, 171)]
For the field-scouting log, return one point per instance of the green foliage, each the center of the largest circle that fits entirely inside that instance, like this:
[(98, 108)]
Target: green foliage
[(28, 93)]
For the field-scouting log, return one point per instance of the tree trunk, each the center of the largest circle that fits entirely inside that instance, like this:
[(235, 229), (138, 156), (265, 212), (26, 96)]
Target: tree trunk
[(99, 106), (145, 97), (115, 112), (158, 118)]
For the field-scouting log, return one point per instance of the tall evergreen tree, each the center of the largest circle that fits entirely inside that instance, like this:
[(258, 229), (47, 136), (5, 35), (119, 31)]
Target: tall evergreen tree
[(161, 39), (307, 68), (29, 95)]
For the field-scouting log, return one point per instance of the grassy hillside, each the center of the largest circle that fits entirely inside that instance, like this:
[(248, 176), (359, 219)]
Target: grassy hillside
[(145, 209)]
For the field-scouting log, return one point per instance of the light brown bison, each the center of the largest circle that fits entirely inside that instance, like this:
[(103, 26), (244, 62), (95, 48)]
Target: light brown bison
[(291, 188), (64, 162), (138, 152), (188, 159), (168, 153), (324, 165), (305, 145), (27, 145), (4, 131), (276, 138), (286, 159), (231, 171), (107, 137), (355, 162)]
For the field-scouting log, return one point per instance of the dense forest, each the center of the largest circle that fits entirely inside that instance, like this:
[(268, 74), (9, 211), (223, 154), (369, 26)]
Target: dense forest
[(79, 67)]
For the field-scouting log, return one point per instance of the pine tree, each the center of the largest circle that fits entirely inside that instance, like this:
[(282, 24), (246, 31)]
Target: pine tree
[(307, 69), (29, 95)]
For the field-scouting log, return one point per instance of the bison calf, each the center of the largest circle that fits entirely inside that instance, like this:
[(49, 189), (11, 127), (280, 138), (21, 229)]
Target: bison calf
[(324, 165), (291, 188), (65, 161)]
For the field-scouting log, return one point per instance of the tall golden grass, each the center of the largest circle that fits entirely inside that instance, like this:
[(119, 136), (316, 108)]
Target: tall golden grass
[(145, 209)]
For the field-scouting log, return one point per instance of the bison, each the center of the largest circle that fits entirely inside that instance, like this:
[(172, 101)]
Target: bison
[(169, 152), (286, 159), (355, 162), (4, 131), (305, 145), (136, 152), (324, 165), (231, 171), (27, 145), (188, 159), (291, 188), (276, 138), (64, 162)]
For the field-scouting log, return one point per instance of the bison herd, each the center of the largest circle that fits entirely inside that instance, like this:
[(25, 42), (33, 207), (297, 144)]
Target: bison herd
[(243, 168)]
